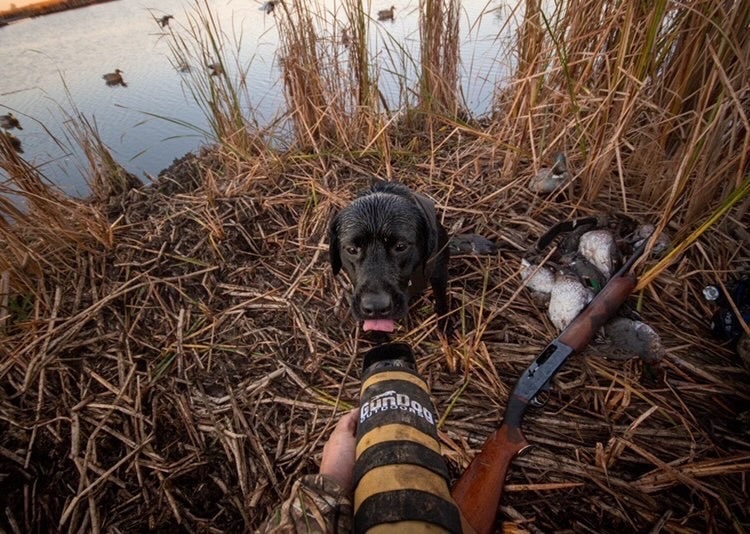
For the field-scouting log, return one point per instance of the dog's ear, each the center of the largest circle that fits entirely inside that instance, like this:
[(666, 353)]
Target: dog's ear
[(333, 245), (427, 210), (423, 239)]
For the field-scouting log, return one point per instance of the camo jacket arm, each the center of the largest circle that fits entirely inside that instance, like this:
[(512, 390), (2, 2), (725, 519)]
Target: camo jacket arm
[(317, 504)]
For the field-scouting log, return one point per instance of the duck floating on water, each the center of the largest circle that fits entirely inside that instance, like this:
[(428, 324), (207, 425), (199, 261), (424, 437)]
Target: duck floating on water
[(164, 21), (548, 180), (114, 78), (215, 69), (386, 14), (8, 122), (269, 6), (14, 141)]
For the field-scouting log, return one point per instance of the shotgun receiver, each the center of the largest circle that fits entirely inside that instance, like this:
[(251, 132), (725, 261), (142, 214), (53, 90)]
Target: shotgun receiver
[(477, 492)]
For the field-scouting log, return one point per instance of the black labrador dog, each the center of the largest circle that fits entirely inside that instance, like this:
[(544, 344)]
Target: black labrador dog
[(390, 242)]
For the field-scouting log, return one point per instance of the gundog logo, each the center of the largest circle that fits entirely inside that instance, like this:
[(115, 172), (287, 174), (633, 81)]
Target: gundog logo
[(390, 400)]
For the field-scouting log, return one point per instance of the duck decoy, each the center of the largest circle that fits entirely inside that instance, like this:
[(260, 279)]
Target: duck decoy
[(164, 21), (386, 14), (215, 69), (8, 122), (548, 180), (114, 78), (14, 141)]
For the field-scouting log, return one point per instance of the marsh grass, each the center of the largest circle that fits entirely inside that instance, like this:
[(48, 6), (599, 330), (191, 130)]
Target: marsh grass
[(41, 227), (644, 97), (209, 56), (439, 58), (330, 86), (175, 358), (105, 176)]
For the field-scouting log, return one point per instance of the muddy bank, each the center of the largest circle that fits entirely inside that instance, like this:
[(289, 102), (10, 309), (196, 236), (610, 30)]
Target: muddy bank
[(183, 377), (45, 8)]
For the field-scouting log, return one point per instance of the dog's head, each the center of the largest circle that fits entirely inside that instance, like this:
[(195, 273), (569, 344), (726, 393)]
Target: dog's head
[(383, 240)]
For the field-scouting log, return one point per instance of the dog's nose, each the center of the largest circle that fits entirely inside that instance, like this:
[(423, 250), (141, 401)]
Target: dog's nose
[(374, 304)]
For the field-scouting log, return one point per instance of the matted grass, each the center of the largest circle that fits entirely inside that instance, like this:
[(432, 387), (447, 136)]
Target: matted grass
[(191, 373)]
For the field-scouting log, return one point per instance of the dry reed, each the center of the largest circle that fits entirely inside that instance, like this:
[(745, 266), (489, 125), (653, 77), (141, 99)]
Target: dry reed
[(175, 358)]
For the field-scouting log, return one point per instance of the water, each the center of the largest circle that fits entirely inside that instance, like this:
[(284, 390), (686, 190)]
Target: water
[(80, 45)]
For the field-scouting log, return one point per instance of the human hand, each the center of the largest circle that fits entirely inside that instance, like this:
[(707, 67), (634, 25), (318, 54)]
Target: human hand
[(338, 452)]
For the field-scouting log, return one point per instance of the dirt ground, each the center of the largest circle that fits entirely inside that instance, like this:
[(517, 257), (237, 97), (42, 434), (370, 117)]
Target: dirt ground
[(183, 379)]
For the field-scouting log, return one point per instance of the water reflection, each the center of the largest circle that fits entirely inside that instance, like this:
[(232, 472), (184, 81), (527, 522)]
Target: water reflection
[(113, 60)]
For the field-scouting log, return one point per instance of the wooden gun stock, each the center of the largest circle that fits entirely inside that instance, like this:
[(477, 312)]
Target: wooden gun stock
[(477, 493)]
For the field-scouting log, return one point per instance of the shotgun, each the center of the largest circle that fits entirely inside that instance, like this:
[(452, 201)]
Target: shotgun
[(477, 492)]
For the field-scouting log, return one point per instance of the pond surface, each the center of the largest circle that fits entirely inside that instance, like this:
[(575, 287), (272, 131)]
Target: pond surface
[(73, 49)]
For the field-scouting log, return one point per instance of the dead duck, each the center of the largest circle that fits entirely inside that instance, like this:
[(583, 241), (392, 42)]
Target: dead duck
[(164, 21), (14, 141), (644, 231), (386, 14), (548, 180), (8, 122), (114, 78), (538, 279), (600, 249), (471, 244), (625, 338), (568, 296), (215, 69)]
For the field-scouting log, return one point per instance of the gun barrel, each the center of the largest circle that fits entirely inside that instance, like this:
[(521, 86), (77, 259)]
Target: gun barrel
[(579, 333)]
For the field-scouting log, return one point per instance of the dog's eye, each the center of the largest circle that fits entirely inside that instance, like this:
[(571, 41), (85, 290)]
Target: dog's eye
[(400, 247), (352, 250)]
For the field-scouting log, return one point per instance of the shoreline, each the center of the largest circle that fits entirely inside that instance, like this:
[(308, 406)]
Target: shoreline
[(174, 355), (37, 10)]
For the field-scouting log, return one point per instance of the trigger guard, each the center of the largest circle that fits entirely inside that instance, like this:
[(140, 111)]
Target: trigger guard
[(540, 399)]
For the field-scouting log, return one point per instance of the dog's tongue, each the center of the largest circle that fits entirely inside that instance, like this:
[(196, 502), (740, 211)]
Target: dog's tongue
[(379, 325)]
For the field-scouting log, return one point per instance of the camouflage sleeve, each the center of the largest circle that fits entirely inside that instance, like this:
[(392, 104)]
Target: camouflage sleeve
[(317, 504)]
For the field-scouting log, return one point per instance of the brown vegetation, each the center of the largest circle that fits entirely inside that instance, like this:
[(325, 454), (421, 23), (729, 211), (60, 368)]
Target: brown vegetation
[(177, 354)]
